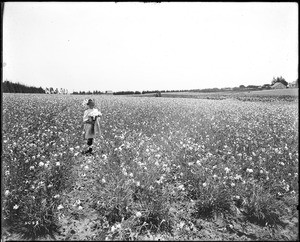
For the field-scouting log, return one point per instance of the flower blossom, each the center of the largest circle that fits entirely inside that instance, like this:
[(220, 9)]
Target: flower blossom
[(60, 207), (227, 169)]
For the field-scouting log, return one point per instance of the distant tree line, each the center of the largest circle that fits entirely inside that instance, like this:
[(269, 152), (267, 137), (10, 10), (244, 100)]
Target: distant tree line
[(126, 93), (88, 92), (10, 87)]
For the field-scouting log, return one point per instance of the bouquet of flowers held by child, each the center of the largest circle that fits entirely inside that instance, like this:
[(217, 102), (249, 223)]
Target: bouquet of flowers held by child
[(93, 115)]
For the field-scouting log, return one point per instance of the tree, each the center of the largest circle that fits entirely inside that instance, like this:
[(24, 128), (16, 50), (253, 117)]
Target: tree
[(10, 87), (158, 94), (241, 86), (279, 79), (266, 86)]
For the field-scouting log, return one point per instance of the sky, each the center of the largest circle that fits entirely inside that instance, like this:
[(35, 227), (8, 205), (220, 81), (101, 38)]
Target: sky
[(136, 46)]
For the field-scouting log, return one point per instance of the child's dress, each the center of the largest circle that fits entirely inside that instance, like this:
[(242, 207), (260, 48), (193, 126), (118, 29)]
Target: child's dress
[(91, 130)]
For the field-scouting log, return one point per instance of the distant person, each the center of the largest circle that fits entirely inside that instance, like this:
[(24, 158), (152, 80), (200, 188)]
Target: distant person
[(91, 120)]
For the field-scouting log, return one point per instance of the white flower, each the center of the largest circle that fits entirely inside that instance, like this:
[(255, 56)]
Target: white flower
[(124, 171), (181, 224), (7, 173), (41, 163), (261, 171), (204, 184), (137, 183), (138, 214), (237, 177), (281, 163), (287, 187), (130, 174), (84, 102), (249, 170), (56, 196), (86, 167), (227, 169), (6, 193), (232, 184), (198, 162), (80, 208), (31, 168), (113, 228), (16, 206), (60, 207), (57, 163), (103, 180), (181, 187)]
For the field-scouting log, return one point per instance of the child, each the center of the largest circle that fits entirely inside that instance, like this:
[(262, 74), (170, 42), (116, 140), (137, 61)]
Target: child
[(91, 122)]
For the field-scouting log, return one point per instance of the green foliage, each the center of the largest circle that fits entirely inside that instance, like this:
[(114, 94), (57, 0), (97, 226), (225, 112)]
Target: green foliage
[(279, 79), (10, 87)]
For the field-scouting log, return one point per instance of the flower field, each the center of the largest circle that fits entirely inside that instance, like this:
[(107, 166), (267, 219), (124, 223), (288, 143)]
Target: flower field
[(164, 168)]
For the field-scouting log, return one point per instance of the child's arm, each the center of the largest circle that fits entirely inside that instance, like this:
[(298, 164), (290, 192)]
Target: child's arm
[(86, 118)]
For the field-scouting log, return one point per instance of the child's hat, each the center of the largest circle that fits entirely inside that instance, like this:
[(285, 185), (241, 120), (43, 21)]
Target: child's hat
[(90, 101)]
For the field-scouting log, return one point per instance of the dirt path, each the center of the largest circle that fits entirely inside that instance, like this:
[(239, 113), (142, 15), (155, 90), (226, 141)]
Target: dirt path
[(78, 219)]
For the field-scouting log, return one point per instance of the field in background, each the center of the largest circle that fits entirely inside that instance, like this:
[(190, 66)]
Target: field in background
[(289, 94), (275, 92), (171, 168)]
